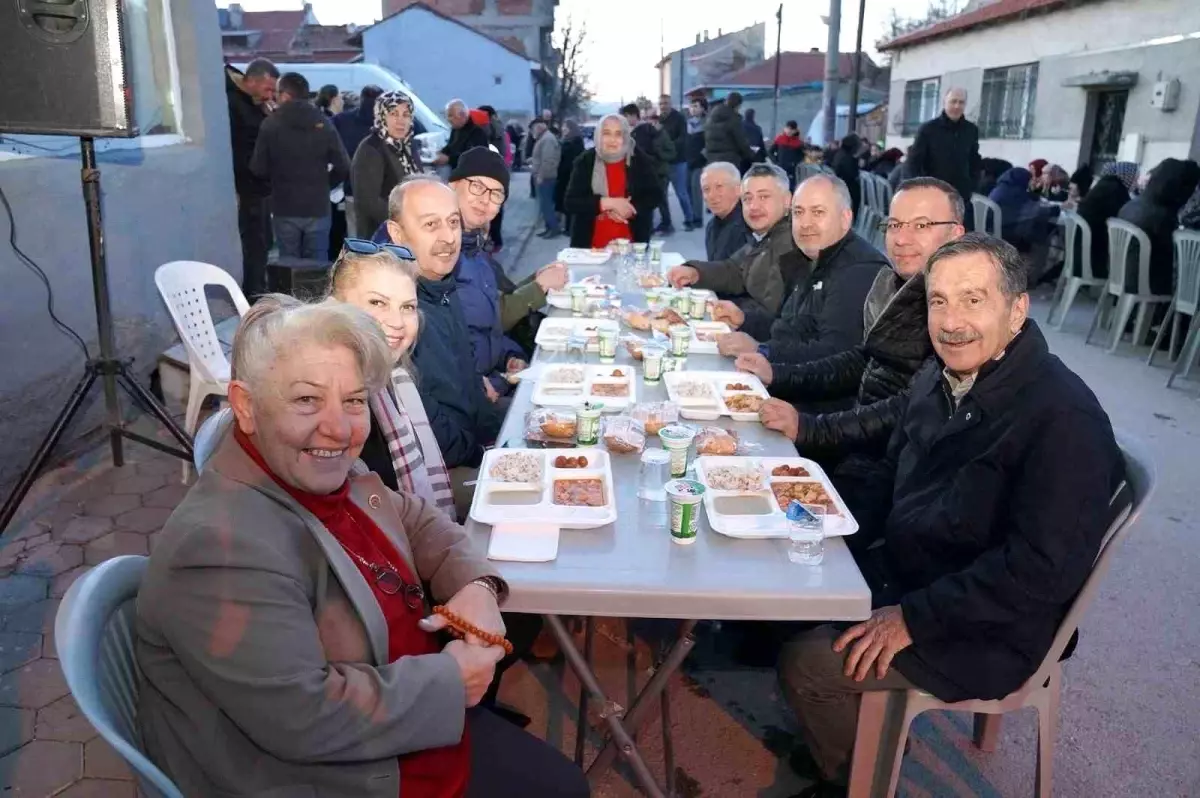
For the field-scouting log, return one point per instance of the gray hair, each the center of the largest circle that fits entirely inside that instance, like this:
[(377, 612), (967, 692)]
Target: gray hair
[(396, 198), (1007, 260), (767, 170), (958, 208), (278, 324), (722, 166), (836, 183), (455, 103)]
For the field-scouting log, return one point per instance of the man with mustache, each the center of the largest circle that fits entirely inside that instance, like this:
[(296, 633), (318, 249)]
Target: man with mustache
[(1003, 477)]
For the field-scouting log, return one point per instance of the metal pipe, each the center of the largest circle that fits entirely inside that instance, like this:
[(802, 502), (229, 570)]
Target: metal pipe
[(853, 121), (778, 61), (829, 97)]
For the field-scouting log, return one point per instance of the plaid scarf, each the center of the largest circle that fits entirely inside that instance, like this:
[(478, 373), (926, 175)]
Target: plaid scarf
[(416, 458)]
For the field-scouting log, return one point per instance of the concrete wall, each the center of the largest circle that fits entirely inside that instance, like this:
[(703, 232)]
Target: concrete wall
[(412, 46), (160, 204)]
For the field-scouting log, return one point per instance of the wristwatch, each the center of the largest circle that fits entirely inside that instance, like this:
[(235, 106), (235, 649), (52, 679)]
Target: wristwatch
[(494, 585)]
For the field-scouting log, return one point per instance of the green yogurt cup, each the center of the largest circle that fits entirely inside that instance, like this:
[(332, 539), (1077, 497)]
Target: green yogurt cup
[(684, 496)]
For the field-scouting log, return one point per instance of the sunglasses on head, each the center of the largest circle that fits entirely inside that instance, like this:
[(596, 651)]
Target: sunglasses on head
[(361, 246)]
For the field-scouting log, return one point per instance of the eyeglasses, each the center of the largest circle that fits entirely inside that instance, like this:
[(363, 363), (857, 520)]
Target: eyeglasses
[(388, 580), (361, 246), (476, 187), (917, 225)]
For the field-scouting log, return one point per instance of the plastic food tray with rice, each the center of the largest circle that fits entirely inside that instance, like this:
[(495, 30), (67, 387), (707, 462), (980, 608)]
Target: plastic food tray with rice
[(553, 333), (526, 485), (573, 256), (747, 497), (570, 386), (708, 395), (595, 289)]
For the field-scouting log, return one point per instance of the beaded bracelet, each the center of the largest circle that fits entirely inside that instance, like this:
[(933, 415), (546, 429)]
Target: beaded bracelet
[(460, 627)]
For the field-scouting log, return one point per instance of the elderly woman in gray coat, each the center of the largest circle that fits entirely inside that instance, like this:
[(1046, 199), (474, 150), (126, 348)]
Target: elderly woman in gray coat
[(283, 626)]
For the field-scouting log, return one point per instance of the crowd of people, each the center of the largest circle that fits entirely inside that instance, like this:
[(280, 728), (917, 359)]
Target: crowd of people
[(283, 626)]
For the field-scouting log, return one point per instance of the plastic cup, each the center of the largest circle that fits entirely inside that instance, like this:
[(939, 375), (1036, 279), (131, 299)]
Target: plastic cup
[(684, 496), (587, 423), (672, 363), (656, 252), (654, 475), (682, 301), (652, 362), (578, 298), (607, 337), (681, 339), (699, 304), (677, 440)]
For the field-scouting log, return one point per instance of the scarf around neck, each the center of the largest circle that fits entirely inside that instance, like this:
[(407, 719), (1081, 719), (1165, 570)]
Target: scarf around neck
[(599, 175), (402, 148)]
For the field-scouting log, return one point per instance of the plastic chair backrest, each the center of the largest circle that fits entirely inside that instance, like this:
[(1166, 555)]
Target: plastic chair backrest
[(94, 631), (1121, 235), (885, 194), (1187, 271), (209, 435), (181, 284), (1140, 477), (987, 215), (1076, 227)]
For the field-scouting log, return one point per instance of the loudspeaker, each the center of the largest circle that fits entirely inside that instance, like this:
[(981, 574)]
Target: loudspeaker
[(63, 64)]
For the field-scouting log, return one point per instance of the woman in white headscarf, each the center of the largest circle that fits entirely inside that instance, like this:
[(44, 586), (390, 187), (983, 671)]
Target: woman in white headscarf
[(384, 158), (613, 189)]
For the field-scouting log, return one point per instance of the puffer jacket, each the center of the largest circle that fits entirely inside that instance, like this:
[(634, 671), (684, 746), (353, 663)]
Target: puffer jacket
[(479, 298), (877, 373), (750, 276), (725, 138)]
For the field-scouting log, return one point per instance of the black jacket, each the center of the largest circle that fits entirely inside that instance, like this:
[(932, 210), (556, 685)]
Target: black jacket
[(845, 166), (675, 126), (949, 151), (376, 170), (876, 373), (725, 138), (464, 138), (1156, 211), (641, 188), (1103, 202), (657, 146), (463, 419), (245, 119), (569, 150), (723, 237), (695, 148), (354, 126), (296, 147), (996, 512)]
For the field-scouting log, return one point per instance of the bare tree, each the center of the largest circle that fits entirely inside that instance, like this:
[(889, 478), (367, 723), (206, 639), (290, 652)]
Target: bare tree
[(571, 91), (938, 10)]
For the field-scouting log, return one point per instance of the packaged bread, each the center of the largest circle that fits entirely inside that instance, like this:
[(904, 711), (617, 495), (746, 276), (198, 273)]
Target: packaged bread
[(624, 435), (551, 427), (637, 318), (716, 441), (655, 415)]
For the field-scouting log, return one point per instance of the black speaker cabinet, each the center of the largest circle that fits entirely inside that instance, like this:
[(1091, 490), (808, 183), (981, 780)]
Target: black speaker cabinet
[(63, 69)]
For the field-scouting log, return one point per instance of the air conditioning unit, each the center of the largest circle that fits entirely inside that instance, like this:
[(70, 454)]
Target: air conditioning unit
[(1166, 95)]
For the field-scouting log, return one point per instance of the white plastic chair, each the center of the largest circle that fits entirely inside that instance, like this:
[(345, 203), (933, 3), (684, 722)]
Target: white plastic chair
[(94, 630), (1075, 275), (209, 435), (884, 191), (987, 215), (1121, 235), (181, 284), (884, 716), (1185, 303)]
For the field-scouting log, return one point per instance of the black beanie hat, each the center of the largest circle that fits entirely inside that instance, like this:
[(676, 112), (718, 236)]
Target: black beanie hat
[(481, 162)]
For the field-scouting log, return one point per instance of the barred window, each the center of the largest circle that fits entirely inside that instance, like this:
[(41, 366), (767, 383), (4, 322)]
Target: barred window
[(920, 103), (1006, 111)]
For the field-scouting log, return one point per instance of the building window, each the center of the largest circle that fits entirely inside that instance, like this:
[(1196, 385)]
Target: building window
[(1006, 110), (920, 103)]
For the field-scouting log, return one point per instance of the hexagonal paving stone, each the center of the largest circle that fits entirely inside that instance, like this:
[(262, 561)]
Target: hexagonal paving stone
[(167, 498), (143, 520), (100, 761), (16, 728), (36, 618), (100, 788), (11, 553), (112, 505), (63, 721), (16, 591), (33, 686), (51, 559), (62, 583), (114, 544), (139, 484), (84, 529), (41, 768), (18, 648), (33, 541)]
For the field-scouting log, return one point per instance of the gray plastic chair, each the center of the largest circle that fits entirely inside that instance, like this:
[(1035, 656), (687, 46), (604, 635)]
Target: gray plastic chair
[(209, 435), (1075, 275), (987, 215), (94, 633), (1185, 303), (885, 716), (1121, 236)]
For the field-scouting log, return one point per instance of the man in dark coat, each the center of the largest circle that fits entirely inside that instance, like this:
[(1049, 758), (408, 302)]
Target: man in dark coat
[(675, 127), (570, 148), (354, 125), (249, 96), (1004, 477), (301, 155), (464, 134), (845, 166), (697, 113), (947, 147), (1156, 212), (660, 150), (724, 135), (726, 233)]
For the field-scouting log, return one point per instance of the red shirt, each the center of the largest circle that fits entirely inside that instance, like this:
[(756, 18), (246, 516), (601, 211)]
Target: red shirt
[(434, 772), (608, 229)]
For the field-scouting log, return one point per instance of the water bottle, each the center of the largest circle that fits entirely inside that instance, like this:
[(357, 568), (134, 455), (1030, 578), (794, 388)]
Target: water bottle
[(806, 533)]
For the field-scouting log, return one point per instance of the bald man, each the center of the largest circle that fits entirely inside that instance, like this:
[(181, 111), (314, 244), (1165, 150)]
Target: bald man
[(947, 147), (464, 134)]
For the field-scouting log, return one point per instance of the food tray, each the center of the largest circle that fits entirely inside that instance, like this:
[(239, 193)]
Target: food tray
[(573, 256), (706, 329), (552, 333), (498, 502), (596, 289), (553, 391), (714, 406), (757, 514)]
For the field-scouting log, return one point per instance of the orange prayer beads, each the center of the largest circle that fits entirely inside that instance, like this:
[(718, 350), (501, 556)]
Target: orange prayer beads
[(460, 627)]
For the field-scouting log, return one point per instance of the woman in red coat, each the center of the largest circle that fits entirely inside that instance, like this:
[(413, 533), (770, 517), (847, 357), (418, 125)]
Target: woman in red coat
[(613, 189)]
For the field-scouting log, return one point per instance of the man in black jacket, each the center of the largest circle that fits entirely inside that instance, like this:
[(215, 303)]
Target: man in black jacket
[(300, 153), (1005, 476), (925, 214), (249, 96), (947, 147), (464, 134), (726, 233), (674, 126), (697, 112)]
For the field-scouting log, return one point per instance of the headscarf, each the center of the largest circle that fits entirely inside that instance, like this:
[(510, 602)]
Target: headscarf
[(599, 175), (1037, 165), (1125, 171), (403, 149)]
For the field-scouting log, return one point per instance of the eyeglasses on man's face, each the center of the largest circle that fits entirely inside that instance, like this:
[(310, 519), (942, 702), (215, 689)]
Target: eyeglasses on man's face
[(916, 225), (477, 187)]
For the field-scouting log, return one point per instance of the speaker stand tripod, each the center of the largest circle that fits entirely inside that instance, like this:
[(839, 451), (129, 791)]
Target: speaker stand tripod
[(107, 368)]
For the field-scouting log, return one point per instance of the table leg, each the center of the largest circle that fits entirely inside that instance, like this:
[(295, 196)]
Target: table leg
[(668, 744), (581, 723)]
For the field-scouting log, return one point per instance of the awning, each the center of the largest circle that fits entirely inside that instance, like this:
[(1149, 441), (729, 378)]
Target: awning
[(1102, 80)]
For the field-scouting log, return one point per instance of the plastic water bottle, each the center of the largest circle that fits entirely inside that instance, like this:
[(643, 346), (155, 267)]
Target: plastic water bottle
[(806, 533)]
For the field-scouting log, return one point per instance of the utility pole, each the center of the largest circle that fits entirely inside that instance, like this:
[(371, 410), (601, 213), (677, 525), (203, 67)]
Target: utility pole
[(829, 99), (853, 122), (778, 62)]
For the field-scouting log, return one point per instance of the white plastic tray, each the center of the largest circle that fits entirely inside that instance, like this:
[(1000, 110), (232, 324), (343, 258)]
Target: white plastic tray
[(768, 520), (712, 407), (552, 333), (584, 257), (596, 289), (551, 391), (707, 328), (504, 502)]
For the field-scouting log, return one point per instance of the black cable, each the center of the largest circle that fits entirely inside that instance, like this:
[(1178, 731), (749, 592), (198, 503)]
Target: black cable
[(41, 275)]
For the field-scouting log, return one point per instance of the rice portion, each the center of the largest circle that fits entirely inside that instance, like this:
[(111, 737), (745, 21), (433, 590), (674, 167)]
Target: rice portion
[(739, 478), (517, 467)]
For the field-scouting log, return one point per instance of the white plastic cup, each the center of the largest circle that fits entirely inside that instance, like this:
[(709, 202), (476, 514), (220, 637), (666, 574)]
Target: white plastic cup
[(607, 337), (682, 301), (681, 339), (677, 439), (699, 304), (684, 496), (652, 362), (587, 423), (578, 299), (656, 252)]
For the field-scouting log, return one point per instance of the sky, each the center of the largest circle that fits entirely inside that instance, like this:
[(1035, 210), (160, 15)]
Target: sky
[(626, 38)]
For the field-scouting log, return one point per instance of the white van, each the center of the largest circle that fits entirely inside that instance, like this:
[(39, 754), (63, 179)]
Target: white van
[(352, 77)]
